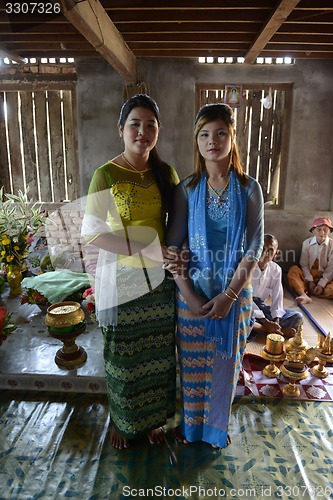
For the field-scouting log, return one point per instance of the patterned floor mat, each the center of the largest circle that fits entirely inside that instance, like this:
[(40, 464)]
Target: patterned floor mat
[(57, 446)]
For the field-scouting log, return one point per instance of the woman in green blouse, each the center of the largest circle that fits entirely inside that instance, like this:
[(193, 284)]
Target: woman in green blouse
[(126, 216)]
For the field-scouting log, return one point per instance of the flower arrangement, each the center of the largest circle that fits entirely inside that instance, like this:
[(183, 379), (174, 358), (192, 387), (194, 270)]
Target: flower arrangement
[(32, 296), (89, 297), (6, 327), (20, 219)]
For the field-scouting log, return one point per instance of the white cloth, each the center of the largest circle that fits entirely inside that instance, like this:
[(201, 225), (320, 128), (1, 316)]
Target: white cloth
[(106, 273), (108, 291), (324, 253), (268, 283)]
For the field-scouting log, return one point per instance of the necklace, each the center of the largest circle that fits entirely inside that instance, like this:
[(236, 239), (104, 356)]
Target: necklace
[(218, 195), (217, 203), (141, 172)]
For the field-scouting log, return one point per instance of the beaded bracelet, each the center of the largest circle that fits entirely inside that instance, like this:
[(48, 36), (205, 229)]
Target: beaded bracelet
[(229, 296)]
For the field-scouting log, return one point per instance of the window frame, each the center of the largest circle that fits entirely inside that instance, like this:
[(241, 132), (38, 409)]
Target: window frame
[(42, 85), (287, 88)]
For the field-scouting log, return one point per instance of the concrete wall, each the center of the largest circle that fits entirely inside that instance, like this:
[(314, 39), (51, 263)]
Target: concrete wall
[(171, 82), (99, 97)]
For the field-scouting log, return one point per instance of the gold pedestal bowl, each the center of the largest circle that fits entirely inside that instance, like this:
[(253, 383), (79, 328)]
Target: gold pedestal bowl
[(294, 371), (65, 322), (320, 370), (325, 355), (273, 352)]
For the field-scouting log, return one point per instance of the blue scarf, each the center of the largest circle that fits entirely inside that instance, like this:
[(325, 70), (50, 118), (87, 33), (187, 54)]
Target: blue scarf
[(220, 331)]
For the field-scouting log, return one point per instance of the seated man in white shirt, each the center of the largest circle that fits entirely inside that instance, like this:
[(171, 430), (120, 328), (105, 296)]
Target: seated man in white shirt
[(267, 283), (315, 274)]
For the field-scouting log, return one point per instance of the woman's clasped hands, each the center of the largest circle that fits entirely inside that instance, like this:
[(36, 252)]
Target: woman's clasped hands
[(218, 307), (176, 262)]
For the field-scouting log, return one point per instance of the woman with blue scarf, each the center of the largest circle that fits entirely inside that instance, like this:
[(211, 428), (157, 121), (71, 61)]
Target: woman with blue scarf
[(218, 216)]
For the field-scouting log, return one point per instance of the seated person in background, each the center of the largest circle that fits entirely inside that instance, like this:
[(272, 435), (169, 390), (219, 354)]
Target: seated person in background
[(315, 274), (267, 283)]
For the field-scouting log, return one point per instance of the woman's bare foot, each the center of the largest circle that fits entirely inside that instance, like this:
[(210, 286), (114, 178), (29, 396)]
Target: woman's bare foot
[(156, 436), (218, 447), (117, 440), (179, 436), (303, 299)]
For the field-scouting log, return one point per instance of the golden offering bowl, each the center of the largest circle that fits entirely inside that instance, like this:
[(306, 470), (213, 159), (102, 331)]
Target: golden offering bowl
[(273, 352), (70, 355), (274, 343), (324, 353), (297, 343), (271, 370), (65, 322), (320, 370), (294, 371), (64, 314)]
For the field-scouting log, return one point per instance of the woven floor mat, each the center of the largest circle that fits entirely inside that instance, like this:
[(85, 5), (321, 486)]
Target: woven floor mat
[(310, 335), (321, 311)]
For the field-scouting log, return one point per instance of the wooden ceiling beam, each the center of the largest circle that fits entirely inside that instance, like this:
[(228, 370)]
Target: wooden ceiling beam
[(188, 27), (187, 37), (63, 48), (40, 30), (182, 5), (140, 37), (42, 39), (311, 16), (198, 45), (300, 38), (277, 18), (4, 52), (192, 16), (91, 20), (76, 54), (286, 47), (200, 5), (306, 29), (195, 54)]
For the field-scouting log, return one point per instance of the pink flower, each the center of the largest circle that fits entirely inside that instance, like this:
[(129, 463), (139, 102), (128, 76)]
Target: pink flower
[(87, 292), (30, 239)]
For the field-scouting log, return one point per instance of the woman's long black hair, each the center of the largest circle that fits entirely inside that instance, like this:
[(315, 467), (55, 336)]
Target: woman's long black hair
[(161, 170)]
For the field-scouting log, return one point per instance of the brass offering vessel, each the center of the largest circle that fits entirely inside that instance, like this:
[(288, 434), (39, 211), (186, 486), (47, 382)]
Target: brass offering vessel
[(294, 369), (65, 322), (64, 315), (273, 352), (324, 352), (297, 343)]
